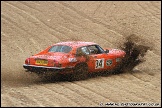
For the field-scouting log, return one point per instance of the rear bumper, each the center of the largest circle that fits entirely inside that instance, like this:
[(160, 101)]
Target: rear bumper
[(35, 68)]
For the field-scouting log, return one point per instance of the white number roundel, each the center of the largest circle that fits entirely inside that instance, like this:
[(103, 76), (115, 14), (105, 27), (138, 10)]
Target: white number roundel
[(109, 62)]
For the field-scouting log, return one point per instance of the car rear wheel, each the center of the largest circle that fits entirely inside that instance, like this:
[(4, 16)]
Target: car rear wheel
[(80, 72)]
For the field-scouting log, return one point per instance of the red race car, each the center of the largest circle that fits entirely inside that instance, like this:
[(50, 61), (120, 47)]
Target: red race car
[(75, 57)]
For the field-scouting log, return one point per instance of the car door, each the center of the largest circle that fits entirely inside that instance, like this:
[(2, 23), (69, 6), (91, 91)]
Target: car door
[(99, 60), (96, 59)]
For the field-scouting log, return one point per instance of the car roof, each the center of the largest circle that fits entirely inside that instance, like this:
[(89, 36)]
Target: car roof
[(76, 43)]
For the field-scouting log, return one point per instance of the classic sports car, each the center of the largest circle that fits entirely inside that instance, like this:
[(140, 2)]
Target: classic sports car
[(75, 57)]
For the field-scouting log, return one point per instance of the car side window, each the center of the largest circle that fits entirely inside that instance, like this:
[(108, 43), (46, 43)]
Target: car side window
[(65, 49), (95, 49), (82, 51)]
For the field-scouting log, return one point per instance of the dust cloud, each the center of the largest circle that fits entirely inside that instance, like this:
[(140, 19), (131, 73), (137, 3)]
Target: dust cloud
[(135, 53)]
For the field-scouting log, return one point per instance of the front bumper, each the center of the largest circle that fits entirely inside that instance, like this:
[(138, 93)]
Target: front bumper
[(35, 68)]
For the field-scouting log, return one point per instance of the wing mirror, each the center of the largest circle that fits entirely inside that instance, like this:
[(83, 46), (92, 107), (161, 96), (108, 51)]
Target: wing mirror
[(106, 51)]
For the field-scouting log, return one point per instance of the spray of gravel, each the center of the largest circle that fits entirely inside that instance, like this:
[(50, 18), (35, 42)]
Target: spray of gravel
[(135, 49)]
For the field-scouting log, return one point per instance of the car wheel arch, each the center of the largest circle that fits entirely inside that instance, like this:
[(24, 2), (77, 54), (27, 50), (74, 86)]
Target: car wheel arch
[(81, 63)]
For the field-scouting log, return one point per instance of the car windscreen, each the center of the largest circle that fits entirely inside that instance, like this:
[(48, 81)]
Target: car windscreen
[(60, 48)]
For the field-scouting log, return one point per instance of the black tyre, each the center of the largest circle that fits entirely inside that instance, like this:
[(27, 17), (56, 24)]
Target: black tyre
[(117, 70), (80, 72)]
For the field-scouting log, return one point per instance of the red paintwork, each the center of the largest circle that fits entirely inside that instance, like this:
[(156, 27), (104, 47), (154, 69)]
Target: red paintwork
[(56, 58)]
